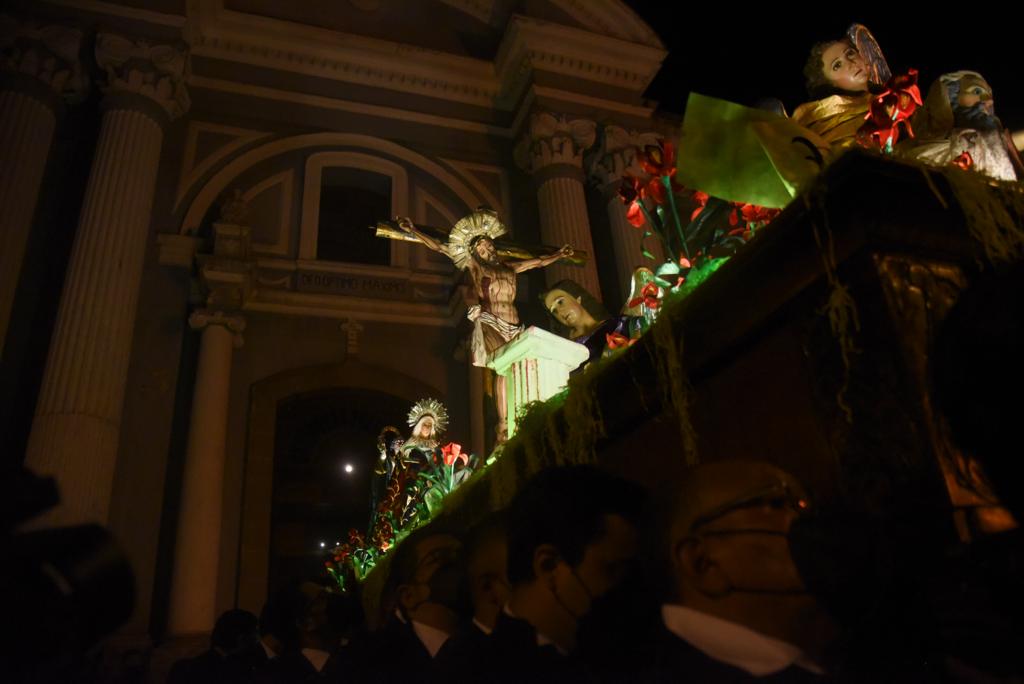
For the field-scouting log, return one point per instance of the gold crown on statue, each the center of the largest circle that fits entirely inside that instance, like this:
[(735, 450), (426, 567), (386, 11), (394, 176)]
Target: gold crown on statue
[(429, 407), (481, 223)]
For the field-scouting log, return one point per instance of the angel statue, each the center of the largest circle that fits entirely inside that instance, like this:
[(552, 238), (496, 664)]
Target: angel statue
[(841, 75)]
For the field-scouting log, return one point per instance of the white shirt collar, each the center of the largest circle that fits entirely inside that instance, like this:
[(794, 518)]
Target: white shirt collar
[(482, 627), (542, 639), (732, 643), (431, 637), (316, 657)]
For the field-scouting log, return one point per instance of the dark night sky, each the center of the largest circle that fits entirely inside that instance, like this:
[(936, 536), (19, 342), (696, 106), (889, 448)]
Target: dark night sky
[(718, 49)]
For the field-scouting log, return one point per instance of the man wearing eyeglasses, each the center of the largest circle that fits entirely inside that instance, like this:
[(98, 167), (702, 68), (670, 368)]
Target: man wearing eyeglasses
[(738, 608)]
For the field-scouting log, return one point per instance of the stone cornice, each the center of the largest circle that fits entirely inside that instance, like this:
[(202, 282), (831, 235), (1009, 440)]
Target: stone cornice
[(611, 18), (529, 45), (535, 45), (48, 53), (157, 72), (219, 33)]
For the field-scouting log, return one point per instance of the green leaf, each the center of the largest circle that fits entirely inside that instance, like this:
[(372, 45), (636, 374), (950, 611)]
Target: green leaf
[(647, 254)]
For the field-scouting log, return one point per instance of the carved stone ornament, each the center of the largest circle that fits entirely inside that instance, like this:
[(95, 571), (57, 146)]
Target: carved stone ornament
[(234, 209), (156, 71), (616, 154), (555, 139), (234, 323), (49, 53)]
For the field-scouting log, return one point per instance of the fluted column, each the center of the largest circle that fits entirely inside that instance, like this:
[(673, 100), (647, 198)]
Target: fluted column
[(197, 550), (39, 67), (552, 151), (78, 415), (615, 157)]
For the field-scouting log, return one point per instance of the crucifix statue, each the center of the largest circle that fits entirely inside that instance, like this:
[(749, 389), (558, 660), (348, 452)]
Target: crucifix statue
[(493, 268)]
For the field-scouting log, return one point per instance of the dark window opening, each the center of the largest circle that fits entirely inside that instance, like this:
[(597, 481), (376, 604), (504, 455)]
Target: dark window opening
[(351, 201)]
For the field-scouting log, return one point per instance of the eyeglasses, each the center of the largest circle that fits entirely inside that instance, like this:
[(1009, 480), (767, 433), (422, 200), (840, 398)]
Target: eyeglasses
[(778, 496)]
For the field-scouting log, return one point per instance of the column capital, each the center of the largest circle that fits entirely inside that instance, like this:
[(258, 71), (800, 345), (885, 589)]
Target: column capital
[(554, 140), (232, 322), (134, 67), (43, 58), (615, 155)]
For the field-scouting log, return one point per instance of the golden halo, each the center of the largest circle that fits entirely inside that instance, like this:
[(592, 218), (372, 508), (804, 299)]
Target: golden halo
[(482, 222), (429, 407)]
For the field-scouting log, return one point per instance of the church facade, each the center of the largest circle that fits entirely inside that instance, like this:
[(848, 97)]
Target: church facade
[(202, 335)]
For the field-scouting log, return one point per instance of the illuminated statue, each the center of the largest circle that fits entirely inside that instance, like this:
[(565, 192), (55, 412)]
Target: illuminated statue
[(396, 491), (840, 76), (585, 320), (958, 125), (471, 246)]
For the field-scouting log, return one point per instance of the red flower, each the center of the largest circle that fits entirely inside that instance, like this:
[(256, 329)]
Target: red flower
[(701, 198), (685, 263), (618, 340), (660, 162), (754, 214), (631, 189), (890, 111), (452, 452), (648, 296), (965, 161), (635, 215), (631, 192)]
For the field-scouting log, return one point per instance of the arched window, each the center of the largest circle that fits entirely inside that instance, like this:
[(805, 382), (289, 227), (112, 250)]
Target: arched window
[(350, 201), (345, 193)]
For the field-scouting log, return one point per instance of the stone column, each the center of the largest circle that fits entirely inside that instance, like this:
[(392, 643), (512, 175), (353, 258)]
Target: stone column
[(616, 156), (39, 69), (197, 549), (536, 366), (78, 416), (552, 151)]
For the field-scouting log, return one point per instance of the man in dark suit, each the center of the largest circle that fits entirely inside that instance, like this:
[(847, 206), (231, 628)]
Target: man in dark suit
[(299, 611), (426, 601), (738, 609), (486, 572), (234, 653), (571, 538)]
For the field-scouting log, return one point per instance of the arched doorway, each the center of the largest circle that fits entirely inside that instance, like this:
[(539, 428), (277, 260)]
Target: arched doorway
[(320, 413), (324, 456)]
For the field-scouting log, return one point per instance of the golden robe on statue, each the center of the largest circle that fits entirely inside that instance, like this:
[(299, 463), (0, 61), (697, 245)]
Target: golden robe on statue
[(835, 119)]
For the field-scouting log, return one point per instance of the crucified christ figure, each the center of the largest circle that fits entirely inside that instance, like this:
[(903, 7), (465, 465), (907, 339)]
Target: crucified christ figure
[(495, 319)]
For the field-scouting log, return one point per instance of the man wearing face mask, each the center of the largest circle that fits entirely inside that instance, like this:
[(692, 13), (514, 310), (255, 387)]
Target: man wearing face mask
[(571, 538), (738, 609), (426, 592)]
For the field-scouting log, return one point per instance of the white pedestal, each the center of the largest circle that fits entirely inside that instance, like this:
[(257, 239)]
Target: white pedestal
[(536, 366)]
